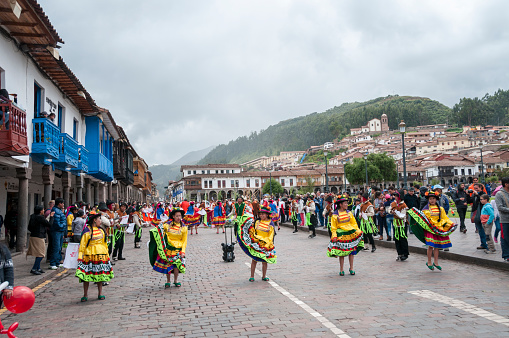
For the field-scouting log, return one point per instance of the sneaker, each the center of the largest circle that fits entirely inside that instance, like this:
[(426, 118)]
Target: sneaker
[(35, 272), (481, 248), (446, 249), (114, 258), (53, 267), (41, 270), (60, 265), (495, 239), (490, 251)]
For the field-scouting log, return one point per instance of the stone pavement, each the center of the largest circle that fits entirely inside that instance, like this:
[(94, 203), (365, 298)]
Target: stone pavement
[(216, 299)]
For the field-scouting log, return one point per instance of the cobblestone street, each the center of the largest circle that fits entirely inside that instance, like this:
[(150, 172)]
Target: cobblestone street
[(305, 297)]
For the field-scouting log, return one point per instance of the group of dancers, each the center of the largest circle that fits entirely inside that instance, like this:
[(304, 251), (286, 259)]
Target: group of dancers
[(348, 230)]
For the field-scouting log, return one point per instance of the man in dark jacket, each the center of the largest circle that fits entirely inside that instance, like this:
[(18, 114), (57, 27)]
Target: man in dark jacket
[(476, 212), (423, 200), (461, 198), (58, 228), (411, 199)]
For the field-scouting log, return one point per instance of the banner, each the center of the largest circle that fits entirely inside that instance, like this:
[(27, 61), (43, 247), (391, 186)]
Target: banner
[(71, 256)]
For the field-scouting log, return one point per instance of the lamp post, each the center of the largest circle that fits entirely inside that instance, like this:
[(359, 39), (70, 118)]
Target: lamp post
[(325, 153), (366, 163), (397, 172), (402, 127), (482, 169), (270, 183)]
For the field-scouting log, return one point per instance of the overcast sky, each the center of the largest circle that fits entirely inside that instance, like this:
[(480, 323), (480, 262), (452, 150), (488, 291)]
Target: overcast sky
[(184, 75)]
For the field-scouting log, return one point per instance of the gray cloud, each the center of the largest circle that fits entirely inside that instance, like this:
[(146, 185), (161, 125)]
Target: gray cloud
[(180, 76)]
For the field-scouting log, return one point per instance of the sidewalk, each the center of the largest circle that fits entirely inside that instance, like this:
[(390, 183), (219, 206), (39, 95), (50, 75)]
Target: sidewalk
[(464, 247), (22, 267)]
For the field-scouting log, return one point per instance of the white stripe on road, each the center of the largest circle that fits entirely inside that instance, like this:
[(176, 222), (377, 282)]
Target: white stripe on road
[(325, 322), (461, 305)]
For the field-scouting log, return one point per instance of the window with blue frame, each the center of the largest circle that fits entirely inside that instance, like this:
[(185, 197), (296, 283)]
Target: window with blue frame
[(75, 130), (61, 118), (37, 100)]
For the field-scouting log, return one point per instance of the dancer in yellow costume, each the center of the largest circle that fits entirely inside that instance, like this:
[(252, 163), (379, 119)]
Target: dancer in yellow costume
[(167, 247), (346, 238), (93, 260)]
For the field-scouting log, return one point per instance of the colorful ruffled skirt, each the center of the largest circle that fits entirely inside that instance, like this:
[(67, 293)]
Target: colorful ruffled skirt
[(192, 220), (349, 243), (274, 217), (174, 262), (427, 232), (218, 221), (435, 241), (94, 268), (252, 249)]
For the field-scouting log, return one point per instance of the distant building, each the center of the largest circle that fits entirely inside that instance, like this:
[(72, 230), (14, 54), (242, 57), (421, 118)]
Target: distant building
[(373, 126)]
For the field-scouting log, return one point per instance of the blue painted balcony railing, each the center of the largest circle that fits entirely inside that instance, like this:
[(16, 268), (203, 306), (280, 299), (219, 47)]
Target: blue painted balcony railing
[(68, 152), (100, 167), (82, 160), (46, 144)]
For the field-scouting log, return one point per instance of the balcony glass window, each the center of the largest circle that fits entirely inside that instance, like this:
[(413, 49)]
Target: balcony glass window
[(219, 184), (37, 100), (189, 172), (75, 130), (232, 184), (206, 184), (236, 183), (257, 183), (248, 183), (283, 182), (224, 183), (210, 184), (291, 181), (61, 118), (194, 172)]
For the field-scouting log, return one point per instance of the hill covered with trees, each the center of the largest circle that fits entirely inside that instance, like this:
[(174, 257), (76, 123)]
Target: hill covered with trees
[(302, 132)]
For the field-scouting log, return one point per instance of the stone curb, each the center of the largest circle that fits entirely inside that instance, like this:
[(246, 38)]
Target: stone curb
[(487, 263)]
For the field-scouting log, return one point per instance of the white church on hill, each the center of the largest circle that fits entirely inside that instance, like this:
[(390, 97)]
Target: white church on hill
[(373, 126)]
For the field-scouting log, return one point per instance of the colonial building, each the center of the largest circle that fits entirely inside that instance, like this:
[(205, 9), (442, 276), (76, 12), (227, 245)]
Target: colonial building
[(70, 156)]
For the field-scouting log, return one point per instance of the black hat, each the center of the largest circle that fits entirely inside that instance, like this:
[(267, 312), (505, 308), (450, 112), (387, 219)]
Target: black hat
[(109, 202), (130, 210), (102, 206), (328, 199), (91, 218)]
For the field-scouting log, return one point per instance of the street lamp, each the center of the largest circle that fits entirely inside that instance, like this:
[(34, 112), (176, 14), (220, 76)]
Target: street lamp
[(270, 183), (366, 163), (325, 153), (402, 126), (397, 172), (482, 169)]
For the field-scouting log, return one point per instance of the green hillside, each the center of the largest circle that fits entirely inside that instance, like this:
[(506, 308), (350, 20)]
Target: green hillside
[(302, 132)]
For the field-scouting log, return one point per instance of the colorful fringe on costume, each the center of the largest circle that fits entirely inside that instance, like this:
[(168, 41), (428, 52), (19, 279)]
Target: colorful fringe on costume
[(431, 234), (399, 229), (162, 255), (250, 244), (367, 225)]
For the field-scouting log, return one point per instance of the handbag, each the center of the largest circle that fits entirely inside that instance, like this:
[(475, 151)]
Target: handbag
[(472, 216)]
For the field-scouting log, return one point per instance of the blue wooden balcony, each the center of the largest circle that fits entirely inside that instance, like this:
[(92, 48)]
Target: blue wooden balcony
[(100, 167), (82, 160), (46, 143), (68, 153)]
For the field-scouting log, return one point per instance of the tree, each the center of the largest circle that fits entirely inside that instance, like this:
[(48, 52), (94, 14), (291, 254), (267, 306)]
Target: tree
[(276, 187), (380, 168)]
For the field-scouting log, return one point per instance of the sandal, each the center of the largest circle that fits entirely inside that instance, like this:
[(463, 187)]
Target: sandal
[(265, 279), (437, 266), (351, 272), (341, 273), (251, 279), (167, 285), (101, 297), (431, 267), (84, 299), (177, 284)]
